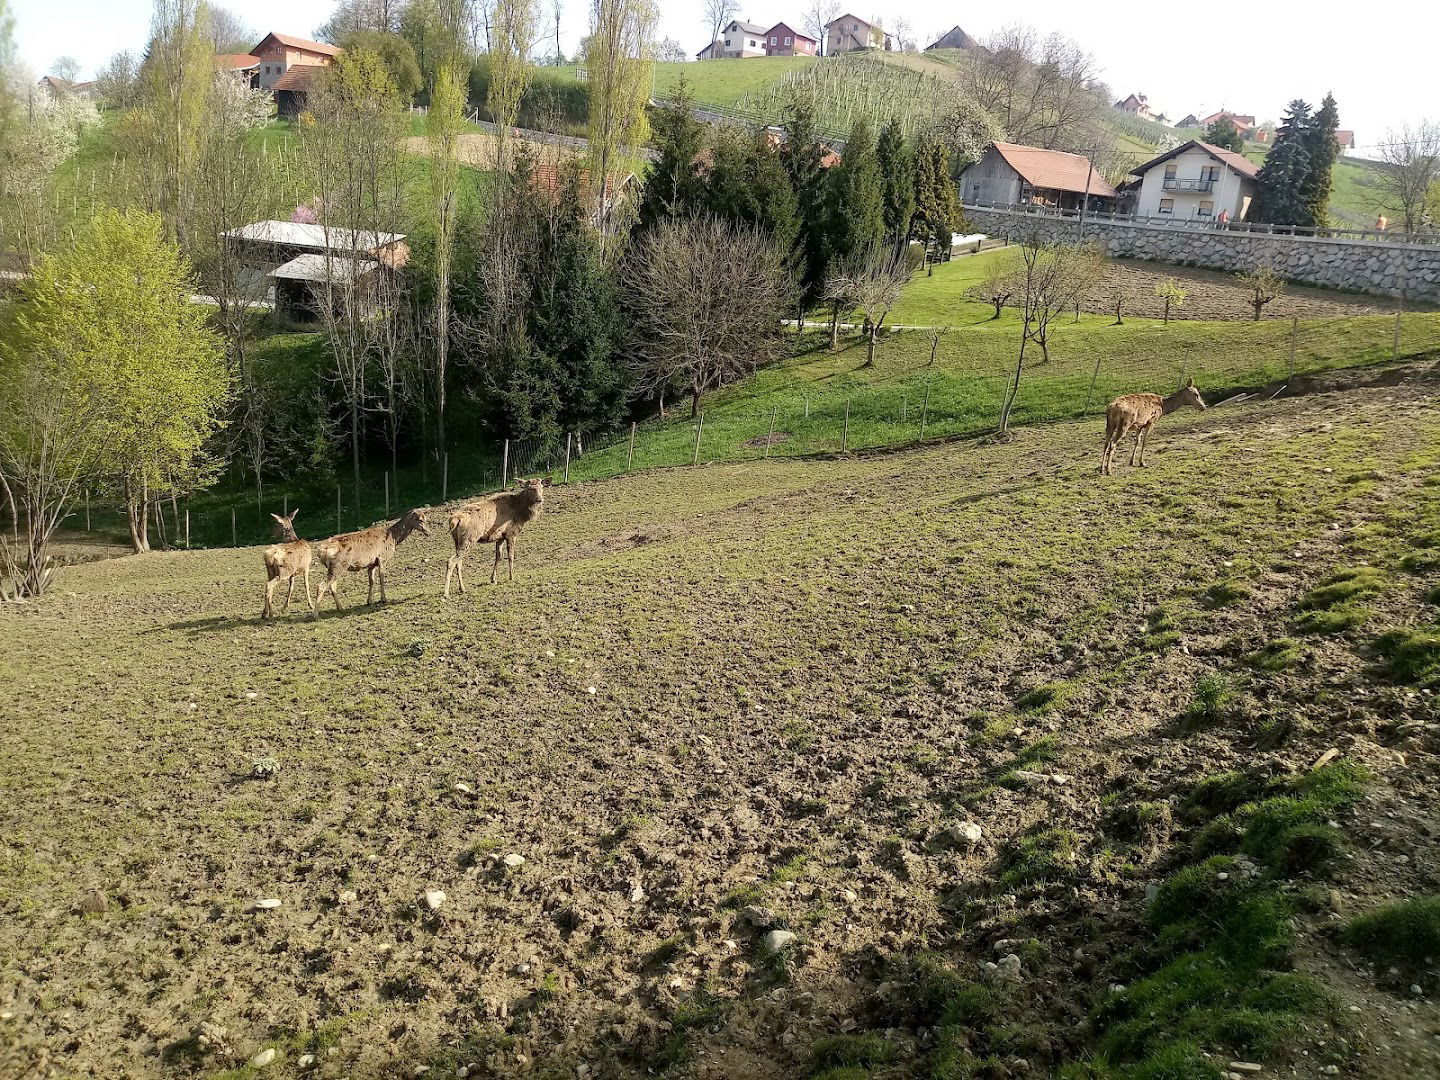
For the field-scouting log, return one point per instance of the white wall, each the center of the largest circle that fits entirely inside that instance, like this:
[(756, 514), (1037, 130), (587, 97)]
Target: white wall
[(1231, 192)]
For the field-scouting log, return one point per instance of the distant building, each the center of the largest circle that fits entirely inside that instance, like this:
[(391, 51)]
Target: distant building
[(1198, 181), (781, 40), (55, 87), (1346, 139), (1135, 105), (244, 65), (1243, 125), (850, 32), (738, 39), (292, 90), (278, 53), (954, 38), (1189, 121), (1009, 174)]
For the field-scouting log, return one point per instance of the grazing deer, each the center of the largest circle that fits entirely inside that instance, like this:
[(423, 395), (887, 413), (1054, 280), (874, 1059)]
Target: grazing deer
[(286, 561), (495, 519), (369, 550), (1138, 413)]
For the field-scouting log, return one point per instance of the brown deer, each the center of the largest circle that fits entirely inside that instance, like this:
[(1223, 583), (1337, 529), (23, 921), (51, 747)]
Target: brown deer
[(495, 519), (369, 550), (286, 561), (1138, 413)]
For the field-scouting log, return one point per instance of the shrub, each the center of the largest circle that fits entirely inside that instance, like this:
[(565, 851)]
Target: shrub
[(1405, 934)]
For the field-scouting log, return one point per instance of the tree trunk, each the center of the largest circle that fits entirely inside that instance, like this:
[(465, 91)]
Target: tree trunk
[(355, 448), (1014, 386), (695, 393), (834, 326)]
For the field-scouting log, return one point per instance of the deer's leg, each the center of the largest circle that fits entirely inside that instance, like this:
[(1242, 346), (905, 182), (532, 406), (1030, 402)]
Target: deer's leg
[(288, 594), (268, 611), (494, 570), (308, 600), (510, 551), (449, 571), (370, 588), (1141, 440), (330, 583), (460, 569), (380, 570)]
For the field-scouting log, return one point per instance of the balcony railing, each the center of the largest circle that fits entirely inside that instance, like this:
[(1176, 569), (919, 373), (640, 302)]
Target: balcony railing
[(1175, 183)]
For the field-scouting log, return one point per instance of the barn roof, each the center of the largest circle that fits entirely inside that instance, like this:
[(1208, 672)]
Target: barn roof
[(300, 43), (316, 237), (1055, 170), (300, 77), (235, 61), (336, 269)]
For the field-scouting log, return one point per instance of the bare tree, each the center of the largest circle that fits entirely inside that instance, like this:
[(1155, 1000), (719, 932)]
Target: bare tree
[(872, 284), (684, 280), (1263, 284), (116, 82), (1409, 172), (228, 32), (717, 14), (819, 15), (999, 286), (1042, 92), (1051, 276), (65, 67)]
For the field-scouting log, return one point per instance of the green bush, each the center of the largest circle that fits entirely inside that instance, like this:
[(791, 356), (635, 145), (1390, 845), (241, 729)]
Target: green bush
[(1406, 934)]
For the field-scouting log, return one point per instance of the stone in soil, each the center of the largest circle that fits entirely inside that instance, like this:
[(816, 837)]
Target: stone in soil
[(778, 940), (434, 899), (263, 1058)]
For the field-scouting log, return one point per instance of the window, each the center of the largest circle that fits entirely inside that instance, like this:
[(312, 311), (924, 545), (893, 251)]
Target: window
[(1167, 206), (1207, 209), (1211, 173), (1170, 171), (773, 41), (727, 42), (788, 41)]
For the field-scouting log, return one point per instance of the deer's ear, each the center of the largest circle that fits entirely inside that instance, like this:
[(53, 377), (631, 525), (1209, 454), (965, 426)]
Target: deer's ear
[(278, 518), (294, 512), (1190, 382)]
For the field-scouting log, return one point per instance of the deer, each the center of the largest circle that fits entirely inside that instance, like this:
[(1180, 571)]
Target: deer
[(495, 519), (286, 561), (369, 550), (1138, 413)]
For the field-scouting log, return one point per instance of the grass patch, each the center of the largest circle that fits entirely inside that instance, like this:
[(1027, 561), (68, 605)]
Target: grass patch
[(865, 1049), (1226, 594), (1335, 620), (1343, 586), (1278, 655), (1213, 701), (1047, 855), (1405, 934), (1048, 696), (1411, 656)]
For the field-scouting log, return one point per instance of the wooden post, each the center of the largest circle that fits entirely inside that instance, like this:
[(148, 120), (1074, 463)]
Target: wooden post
[(233, 541), (699, 427), (445, 477), (567, 456), (631, 455), (1294, 337), (505, 465), (771, 435), (187, 525), (807, 406), (285, 506), (337, 508), (845, 434), (904, 404), (87, 509), (925, 410), (1399, 308), (387, 493)]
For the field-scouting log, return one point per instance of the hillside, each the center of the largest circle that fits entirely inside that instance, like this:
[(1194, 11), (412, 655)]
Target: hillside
[(965, 721)]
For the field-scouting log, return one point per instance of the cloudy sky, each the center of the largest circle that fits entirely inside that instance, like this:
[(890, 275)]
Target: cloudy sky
[(1186, 57)]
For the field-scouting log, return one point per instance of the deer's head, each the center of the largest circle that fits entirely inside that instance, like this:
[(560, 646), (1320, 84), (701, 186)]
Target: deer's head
[(286, 524), (533, 490), (1189, 395)]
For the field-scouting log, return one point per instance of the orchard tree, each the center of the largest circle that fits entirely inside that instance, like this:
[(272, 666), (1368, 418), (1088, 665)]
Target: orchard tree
[(1409, 173), (1173, 294), (1263, 284)]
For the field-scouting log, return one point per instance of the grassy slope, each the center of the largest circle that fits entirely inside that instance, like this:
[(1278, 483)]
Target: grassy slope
[(719, 82), (778, 678)]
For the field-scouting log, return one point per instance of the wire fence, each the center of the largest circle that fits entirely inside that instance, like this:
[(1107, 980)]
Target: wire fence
[(927, 385)]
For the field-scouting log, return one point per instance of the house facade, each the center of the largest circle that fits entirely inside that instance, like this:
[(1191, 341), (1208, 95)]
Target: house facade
[(954, 38), (1009, 174), (781, 40), (278, 53), (738, 39), (850, 32), (1197, 181), (1136, 105), (1346, 139)]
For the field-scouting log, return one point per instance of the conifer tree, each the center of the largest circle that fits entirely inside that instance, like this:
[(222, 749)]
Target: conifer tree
[(897, 172), (672, 183), (802, 159), (858, 195), (937, 208), (1287, 168), (1222, 133), (1323, 148)]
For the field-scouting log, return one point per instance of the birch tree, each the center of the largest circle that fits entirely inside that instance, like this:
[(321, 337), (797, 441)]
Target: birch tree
[(619, 55)]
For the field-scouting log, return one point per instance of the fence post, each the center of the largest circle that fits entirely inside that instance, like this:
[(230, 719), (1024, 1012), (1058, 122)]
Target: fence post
[(337, 508), (1295, 336), (770, 436), (904, 404), (234, 542), (1399, 309), (387, 493), (87, 509), (845, 434), (505, 465), (1095, 375), (445, 477), (807, 406), (629, 457), (699, 427), (187, 525), (925, 411), (567, 456)]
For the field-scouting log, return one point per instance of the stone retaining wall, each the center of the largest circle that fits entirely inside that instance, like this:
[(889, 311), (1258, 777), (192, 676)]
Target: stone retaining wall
[(1375, 267)]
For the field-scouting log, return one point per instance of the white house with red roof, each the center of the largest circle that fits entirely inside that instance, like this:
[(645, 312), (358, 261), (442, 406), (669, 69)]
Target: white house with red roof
[(1197, 181)]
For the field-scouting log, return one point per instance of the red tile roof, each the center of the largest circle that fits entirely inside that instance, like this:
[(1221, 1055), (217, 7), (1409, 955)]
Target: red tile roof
[(302, 44), (1054, 170), (235, 61), (1345, 138), (299, 77)]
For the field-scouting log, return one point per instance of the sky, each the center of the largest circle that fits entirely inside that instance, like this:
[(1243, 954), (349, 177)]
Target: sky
[(1185, 58)]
